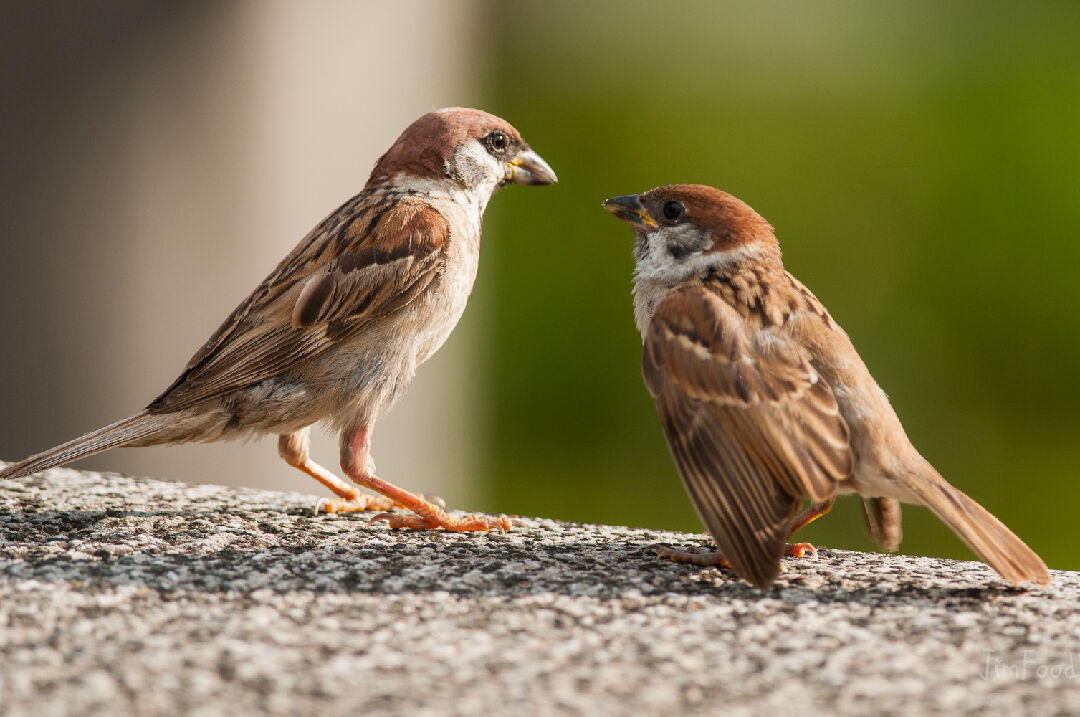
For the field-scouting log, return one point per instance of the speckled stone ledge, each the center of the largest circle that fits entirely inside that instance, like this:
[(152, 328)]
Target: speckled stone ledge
[(128, 596)]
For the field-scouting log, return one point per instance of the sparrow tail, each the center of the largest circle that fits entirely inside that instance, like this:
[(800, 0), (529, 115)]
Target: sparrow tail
[(985, 535), (125, 432)]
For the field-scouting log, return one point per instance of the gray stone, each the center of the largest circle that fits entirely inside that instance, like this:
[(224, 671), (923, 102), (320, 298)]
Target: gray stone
[(128, 596)]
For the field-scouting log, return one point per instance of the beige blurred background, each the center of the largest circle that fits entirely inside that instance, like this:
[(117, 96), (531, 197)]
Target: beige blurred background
[(158, 160), (919, 160)]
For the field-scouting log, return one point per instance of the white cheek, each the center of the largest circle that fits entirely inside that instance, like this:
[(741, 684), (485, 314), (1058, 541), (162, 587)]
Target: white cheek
[(658, 265), (475, 166)]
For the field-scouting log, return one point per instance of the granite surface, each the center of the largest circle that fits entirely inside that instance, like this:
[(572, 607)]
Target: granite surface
[(127, 596)]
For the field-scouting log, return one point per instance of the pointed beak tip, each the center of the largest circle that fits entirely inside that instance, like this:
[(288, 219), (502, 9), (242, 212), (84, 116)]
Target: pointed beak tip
[(530, 168), (631, 210)]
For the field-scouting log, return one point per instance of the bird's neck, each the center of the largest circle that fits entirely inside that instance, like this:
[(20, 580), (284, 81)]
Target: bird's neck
[(737, 276), (463, 207), (446, 189)]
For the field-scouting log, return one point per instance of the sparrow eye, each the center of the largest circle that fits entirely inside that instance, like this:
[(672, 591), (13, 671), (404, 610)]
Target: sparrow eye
[(674, 210), (497, 141)]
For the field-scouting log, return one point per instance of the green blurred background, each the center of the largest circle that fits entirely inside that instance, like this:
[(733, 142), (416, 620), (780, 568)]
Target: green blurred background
[(921, 164), (919, 160)]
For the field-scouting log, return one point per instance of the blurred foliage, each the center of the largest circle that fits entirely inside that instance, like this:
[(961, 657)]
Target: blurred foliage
[(921, 164)]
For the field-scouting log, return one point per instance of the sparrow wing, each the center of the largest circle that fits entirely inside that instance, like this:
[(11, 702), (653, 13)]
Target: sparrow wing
[(752, 427), (356, 268)]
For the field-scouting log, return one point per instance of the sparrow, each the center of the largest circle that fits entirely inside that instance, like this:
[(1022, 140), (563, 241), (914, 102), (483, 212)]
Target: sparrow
[(336, 332), (764, 400)]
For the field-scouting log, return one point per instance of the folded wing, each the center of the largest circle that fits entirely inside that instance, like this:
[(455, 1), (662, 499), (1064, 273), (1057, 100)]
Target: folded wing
[(383, 259), (753, 428)]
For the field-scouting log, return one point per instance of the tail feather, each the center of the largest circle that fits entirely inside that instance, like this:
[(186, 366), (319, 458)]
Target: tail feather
[(984, 534), (117, 434)]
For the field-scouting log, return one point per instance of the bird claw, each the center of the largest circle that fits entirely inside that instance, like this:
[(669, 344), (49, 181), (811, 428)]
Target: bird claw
[(463, 524), (388, 517), (702, 556), (800, 550), (697, 556), (361, 503)]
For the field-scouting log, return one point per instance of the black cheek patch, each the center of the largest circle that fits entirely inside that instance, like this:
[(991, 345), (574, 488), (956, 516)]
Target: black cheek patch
[(683, 246), (678, 250), (684, 241)]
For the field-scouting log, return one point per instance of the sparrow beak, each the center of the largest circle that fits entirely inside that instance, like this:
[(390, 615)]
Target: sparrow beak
[(631, 210), (530, 168)]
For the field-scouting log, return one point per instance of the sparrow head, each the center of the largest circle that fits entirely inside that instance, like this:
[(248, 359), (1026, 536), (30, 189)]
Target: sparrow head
[(686, 229), (474, 150)]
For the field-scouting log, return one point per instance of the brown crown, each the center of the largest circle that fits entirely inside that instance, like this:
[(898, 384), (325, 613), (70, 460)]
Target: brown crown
[(732, 221), (426, 145)]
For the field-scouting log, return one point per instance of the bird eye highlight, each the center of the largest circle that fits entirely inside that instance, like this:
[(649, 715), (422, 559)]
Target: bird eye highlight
[(674, 210), (497, 141)]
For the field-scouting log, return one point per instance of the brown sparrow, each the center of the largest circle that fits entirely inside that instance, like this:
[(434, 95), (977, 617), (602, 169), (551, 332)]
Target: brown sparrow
[(337, 331), (763, 398)]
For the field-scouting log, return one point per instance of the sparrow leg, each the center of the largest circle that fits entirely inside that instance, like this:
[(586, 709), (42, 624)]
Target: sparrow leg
[(355, 461), (698, 556), (808, 516), (294, 449), (712, 557)]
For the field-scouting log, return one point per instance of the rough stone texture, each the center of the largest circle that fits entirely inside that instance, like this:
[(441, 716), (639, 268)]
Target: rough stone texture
[(127, 596)]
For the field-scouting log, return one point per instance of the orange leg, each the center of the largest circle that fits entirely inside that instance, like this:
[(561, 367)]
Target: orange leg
[(712, 557), (808, 516), (294, 449), (701, 556), (356, 464)]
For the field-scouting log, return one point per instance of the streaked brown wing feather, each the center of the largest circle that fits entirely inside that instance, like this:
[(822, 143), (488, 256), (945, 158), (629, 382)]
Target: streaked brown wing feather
[(331, 286), (749, 522), (402, 252), (752, 428)]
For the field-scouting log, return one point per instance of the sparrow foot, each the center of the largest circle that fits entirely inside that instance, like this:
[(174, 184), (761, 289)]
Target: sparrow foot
[(697, 556), (702, 556), (800, 550), (364, 502), (426, 514), (454, 524), (360, 503)]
